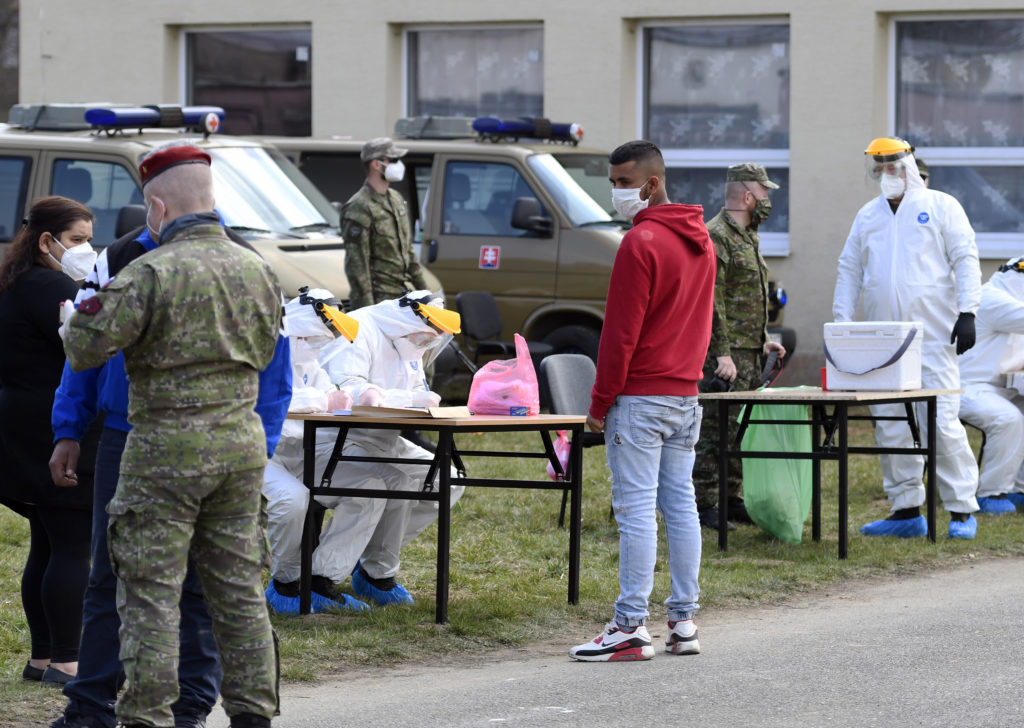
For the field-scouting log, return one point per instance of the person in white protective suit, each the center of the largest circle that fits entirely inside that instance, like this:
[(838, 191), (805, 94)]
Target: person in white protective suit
[(385, 367), (911, 256), (382, 367), (987, 402), (316, 330)]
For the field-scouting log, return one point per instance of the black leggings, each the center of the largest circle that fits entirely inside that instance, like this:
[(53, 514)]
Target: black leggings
[(54, 580)]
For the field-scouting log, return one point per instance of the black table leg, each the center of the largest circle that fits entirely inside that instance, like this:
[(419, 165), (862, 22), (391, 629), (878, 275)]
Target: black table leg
[(723, 475), (930, 487), (816, 473), (444, 505), (844, 454), (306, 555), (575, 513)]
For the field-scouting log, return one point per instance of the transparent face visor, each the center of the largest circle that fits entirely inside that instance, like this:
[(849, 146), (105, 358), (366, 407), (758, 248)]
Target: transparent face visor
[(893, 173)]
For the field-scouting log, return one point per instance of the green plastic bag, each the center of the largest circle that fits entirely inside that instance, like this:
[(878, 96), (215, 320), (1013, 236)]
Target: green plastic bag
[(777, 493)]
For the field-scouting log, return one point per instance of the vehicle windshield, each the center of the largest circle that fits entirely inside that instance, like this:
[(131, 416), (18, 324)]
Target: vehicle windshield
[(254, 192), (569, 180)]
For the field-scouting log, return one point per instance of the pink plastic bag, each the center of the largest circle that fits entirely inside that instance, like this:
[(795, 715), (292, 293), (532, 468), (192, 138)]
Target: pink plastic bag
[(562, 447), (506, 387)]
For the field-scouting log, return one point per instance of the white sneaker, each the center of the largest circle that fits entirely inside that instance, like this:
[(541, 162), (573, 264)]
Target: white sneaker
[(682, 638), (613, 645)]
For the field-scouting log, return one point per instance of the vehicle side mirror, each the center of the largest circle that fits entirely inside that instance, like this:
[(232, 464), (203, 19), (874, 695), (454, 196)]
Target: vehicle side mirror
[(129, 217), (526, 215)]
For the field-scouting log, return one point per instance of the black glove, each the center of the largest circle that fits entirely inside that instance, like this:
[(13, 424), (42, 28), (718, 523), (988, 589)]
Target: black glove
[(963, 332)]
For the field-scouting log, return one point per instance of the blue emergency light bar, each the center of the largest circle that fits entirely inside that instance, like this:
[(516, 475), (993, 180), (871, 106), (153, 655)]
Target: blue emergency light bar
[(493, 128), (204, 118)]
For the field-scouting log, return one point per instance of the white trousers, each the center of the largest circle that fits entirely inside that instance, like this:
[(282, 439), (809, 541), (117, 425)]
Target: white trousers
[(956, 470), (999, 413), (370, 530)]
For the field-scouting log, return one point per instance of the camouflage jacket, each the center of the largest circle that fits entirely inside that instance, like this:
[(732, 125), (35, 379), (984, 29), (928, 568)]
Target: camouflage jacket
[(197, 319), (741, 288), (380, 263)]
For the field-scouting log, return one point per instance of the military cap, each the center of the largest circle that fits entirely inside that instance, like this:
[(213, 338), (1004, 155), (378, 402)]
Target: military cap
[(381, 148), (164, 159), (749, 172)]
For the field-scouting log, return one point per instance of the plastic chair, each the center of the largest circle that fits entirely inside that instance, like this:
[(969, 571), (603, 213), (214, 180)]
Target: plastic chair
[(481, 328), (566, 380)]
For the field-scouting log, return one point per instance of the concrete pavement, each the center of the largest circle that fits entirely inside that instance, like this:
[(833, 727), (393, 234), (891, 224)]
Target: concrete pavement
[(937, 648)]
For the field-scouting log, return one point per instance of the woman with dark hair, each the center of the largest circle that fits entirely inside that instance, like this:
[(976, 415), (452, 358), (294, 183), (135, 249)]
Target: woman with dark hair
[(36, 276)]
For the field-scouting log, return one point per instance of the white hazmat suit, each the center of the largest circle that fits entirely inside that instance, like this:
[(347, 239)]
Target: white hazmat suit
[(987, 403), (917, 264), (383, 366)]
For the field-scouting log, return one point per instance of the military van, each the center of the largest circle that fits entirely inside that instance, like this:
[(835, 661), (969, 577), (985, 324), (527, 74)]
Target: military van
[(91, 152), (515, 208)]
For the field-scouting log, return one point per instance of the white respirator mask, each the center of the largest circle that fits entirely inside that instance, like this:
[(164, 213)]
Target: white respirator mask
[(627, 202), (395, 171)]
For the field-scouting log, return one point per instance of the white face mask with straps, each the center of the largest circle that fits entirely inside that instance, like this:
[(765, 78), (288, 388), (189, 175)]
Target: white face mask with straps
[(77, 261), (395, 171)]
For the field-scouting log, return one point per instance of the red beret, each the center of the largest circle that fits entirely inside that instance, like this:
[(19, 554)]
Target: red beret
[(163, 160)]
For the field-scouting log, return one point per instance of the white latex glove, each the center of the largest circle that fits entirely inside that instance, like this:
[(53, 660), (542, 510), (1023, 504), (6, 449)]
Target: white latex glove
[(425, 399), (339, 400), (371, 397), (66, 310)]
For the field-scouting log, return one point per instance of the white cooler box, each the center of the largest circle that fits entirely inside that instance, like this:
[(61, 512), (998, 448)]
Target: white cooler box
[(873, 355)]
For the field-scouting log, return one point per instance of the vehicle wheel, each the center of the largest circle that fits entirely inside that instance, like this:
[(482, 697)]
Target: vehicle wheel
[(574, 340)]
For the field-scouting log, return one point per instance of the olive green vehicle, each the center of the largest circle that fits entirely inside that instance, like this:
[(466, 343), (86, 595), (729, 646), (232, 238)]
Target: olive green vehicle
[(524, 220), (53, 150)]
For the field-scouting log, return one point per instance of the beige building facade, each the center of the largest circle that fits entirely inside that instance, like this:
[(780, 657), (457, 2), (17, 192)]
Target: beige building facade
[(799, 85)]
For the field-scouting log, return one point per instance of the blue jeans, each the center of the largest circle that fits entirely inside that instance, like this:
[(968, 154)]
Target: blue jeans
[(650, 444), (100, 676)]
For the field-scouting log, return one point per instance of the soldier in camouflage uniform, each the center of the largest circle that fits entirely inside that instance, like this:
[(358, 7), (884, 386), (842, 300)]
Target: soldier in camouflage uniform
[(379, 259), (197, 319), (739, 336)]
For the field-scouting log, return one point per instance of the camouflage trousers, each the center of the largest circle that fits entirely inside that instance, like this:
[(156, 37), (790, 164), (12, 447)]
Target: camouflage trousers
[(705, 468), (155, 525)]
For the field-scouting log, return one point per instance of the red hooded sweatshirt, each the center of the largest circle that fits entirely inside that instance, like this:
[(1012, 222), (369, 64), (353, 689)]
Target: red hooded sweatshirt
[(657, 321)]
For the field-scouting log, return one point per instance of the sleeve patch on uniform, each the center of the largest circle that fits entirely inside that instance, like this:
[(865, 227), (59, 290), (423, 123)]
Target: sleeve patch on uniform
[(90, 305), (355, 230)]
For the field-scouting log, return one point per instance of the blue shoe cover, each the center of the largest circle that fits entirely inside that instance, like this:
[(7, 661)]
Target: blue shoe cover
[(964, 529), (280, 604), (320, 603), (907, 528), (1017, 499), (996, 506), (398, 595)]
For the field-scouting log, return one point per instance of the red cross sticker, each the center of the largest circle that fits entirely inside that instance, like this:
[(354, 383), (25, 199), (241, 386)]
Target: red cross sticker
[(490, 256)]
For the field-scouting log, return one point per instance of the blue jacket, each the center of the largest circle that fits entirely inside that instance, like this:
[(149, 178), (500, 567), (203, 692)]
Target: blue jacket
[(81, 395)]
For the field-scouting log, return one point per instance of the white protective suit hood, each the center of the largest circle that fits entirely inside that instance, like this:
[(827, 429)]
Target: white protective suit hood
[(306, 330), (397, 322)]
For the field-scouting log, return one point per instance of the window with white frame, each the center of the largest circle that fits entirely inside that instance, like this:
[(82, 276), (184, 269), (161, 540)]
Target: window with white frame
[(959, 88), (493, 71), (716, 95), (262, 78)]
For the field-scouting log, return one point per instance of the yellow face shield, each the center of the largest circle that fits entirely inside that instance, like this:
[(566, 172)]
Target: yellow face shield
[(439, 319), (337, 320)]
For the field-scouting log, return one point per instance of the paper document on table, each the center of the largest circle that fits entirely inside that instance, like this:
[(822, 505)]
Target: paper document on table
[(432, 412)]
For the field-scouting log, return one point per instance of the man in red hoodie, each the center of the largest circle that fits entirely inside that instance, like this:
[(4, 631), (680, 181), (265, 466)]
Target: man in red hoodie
[(656, 332)]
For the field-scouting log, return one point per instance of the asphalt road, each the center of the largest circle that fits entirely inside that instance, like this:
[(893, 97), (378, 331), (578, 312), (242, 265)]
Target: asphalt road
[(933, 649)]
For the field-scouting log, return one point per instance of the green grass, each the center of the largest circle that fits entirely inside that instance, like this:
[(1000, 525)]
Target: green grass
[(509, 575)]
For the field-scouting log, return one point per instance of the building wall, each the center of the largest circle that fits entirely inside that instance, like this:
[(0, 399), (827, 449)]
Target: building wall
[(839, 84)]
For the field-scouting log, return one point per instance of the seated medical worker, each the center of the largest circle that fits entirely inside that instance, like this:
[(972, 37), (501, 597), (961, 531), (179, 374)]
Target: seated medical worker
[(987, 402), (382, 367), (312, 321)]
